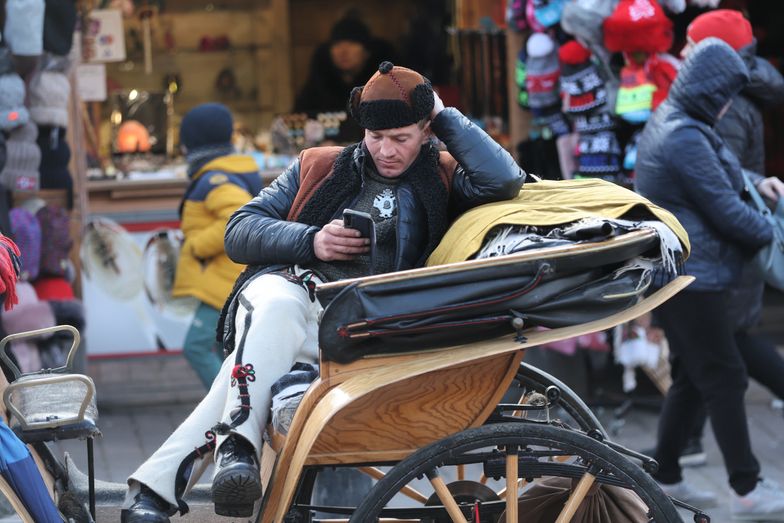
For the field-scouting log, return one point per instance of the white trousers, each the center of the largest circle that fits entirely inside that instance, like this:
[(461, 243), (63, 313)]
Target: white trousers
[(276, 325)]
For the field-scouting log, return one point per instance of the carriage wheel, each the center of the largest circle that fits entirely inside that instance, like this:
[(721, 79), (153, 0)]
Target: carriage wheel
[(518, 456), (531, 383)]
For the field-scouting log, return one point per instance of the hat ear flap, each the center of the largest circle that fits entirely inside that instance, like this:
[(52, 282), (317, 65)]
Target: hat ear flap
[(422, 100), (353, 102)]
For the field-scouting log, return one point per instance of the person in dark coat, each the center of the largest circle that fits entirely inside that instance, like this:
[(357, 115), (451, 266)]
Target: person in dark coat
[(742, 130), (345, 61), (292, 238), (684, 166)]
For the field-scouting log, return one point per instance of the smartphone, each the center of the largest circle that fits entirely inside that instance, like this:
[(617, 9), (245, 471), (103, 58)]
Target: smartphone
[(360, 221)]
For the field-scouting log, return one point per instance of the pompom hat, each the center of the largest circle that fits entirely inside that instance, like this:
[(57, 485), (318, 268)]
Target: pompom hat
[(393, 97)]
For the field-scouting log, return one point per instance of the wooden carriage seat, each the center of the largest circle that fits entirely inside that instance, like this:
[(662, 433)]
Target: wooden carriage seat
[(382, 408)]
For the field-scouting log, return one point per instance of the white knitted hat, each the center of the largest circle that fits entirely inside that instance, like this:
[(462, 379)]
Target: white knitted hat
[(49, 95)]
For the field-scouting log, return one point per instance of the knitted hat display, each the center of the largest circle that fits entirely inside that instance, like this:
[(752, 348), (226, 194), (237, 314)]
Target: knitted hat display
[(393, 97), (583, 19), (548, 12), (59, 25), (56, 240), (530, 17), (23, 158), (206, 126), (630, 152), (635, 95), (551, 120), (53, 288), (581, 87), (13, 112), (598, 153), (638, 25), (661, 69), (55, 155), (724, 24), (542, 71), (24, 26), (520, 76), (49, 95), (26, 232), (515, 15), (594, 122)]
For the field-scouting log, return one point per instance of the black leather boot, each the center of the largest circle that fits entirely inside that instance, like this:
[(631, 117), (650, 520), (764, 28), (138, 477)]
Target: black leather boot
[(237, 483), (148, 507)]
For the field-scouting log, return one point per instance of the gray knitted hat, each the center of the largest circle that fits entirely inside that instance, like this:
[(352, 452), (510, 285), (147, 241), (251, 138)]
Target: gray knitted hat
[(24, 26), (542, 71), (13, 113), (49, 94), (23, 158)]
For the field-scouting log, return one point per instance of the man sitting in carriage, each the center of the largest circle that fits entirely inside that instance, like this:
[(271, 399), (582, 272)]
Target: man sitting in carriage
[(292, 238)]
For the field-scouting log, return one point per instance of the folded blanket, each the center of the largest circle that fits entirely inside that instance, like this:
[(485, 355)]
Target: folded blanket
[(546, 204)]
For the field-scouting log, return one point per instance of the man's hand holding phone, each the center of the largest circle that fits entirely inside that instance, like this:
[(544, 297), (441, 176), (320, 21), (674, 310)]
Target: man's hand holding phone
[(336, 242)]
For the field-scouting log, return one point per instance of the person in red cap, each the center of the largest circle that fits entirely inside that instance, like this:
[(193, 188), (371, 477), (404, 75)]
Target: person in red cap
[(742, 130), (293, 238)]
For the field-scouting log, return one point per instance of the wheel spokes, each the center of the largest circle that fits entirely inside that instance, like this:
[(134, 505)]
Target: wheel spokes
[(576, 497), (446, 498)]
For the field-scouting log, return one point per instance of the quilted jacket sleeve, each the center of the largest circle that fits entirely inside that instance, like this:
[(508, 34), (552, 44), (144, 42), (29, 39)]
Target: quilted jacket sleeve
[(486, 171), (705, 182), (259, 234)]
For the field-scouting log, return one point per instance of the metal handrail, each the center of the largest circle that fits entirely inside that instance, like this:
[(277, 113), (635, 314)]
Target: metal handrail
[(38, 332)]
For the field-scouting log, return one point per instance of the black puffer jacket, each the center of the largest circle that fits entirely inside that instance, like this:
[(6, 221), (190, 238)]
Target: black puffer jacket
[(258, 233), (684, 166), (742, 127)]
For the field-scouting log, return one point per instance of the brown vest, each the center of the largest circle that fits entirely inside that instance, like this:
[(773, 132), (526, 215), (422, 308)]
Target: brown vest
[(316, 165)]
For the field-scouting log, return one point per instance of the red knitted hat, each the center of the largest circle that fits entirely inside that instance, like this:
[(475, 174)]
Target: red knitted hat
[(638, 25), (573, 53), (724, 24)]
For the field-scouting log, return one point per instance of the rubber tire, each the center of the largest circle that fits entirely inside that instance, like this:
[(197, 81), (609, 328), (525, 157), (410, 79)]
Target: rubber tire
[(435, 454)]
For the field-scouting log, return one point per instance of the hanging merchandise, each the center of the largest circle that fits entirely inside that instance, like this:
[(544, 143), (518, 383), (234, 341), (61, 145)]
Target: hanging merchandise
[(599, 155), (26, 233), (638, 25), (59, 24), (630, 152), (23, 158), (674, 6), (515, 15), (583, 19), (49, 96), (24, 27), (530, 16), (661, 69), (594, 122), (542, 71), (13, 112), (520, 76), (582, 89), (55, 155), (548, 12), (551, 121), (635, 95), (56, 240)]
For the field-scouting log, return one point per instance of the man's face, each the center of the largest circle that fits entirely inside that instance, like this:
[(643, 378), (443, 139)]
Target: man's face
[(394, 150), (348, 56)]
